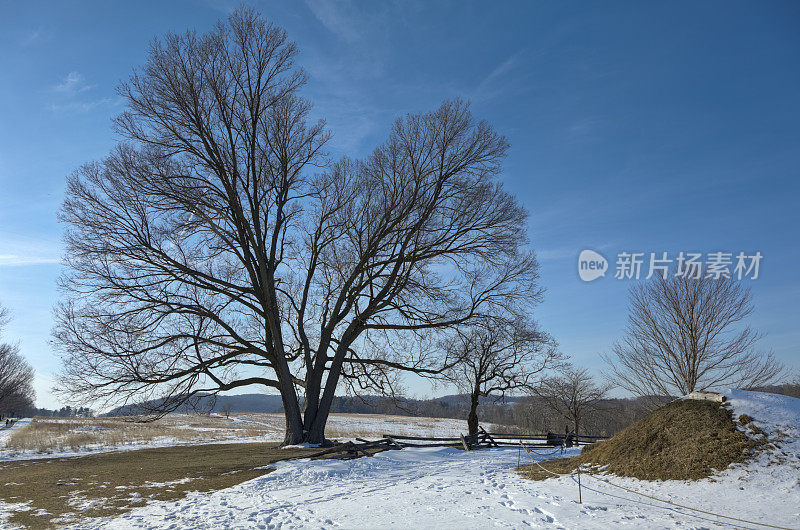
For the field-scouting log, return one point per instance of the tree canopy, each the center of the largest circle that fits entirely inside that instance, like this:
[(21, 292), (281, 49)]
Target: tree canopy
[(218, 246)]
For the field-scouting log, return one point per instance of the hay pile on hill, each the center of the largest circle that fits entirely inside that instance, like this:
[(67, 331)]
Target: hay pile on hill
[(683, 440)]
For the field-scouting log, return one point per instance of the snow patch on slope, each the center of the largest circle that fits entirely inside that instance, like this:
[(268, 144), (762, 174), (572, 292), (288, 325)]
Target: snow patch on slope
[(773, 413)]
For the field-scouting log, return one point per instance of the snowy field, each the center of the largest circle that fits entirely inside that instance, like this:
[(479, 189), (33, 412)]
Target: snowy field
[(49, 437), (448, 488)]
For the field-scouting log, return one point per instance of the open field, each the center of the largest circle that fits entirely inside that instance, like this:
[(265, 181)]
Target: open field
[(66, 490), (448, 488), (70, 436), (247, 485)]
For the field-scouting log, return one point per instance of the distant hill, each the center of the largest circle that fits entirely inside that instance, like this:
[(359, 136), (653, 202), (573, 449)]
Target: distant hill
[(208, 403), (463, 399), (451, 406)]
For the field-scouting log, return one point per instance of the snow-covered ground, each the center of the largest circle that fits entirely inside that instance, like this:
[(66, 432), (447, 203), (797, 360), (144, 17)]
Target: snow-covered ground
[(6, 431), (447, 488)]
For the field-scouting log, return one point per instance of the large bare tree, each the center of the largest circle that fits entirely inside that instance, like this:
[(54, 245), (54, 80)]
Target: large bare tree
[(686, 334), (497, 356), (218, 248), (16, 375)]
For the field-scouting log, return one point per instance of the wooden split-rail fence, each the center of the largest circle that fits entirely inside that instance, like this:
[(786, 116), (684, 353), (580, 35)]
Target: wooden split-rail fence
[(482, 439)]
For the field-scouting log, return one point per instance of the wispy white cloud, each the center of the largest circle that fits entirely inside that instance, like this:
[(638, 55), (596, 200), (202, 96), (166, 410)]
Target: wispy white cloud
[(502, 68), (337, 91), (18, 250), (499, 79), (32, 37), (71, 96), (223, 6), (73, 84), (338, 17), (557, 254), (338, 79), (80, 107), (13, 260)]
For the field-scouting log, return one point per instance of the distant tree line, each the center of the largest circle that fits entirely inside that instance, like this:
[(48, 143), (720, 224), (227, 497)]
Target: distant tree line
[(63, 412), (528, 414), (787, 389)]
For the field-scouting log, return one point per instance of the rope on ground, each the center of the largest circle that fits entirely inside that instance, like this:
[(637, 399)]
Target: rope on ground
[(629, 490), (532, 450), (529, 451)]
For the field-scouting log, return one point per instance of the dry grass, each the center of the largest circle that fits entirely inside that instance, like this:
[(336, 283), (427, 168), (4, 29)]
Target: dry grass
[(58, 491), (47, 435), (684, 440), (52, 435)]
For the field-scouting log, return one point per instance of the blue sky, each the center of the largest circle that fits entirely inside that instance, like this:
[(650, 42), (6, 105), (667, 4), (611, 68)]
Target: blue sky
[(635, 126)]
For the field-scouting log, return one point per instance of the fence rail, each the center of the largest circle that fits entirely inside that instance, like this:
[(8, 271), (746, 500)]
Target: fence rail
[(544, 436), (479, 440), (491, 439)]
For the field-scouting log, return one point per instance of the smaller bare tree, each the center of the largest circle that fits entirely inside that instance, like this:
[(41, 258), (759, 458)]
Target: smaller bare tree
[(497, 357), (227, 408), (16, 375), (572, 394), (686, 334)]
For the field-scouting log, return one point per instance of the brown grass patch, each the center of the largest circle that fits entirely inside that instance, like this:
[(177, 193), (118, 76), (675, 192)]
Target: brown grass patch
[(45, 435), (60, 491), (684, 440), (744, 419), (50, 435)]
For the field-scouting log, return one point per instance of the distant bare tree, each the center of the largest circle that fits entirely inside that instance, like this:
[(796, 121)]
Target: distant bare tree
[(572, 394), (227, 408), (218, 248), (686, 334), (16, 375), (495, 357)]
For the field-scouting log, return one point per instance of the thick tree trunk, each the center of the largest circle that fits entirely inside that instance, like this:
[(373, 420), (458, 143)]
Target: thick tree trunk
[(316, 430), (316, 434), (311, 404), (291, 408), (314, 384), (472, 419), (315, 425), (294, 427)]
